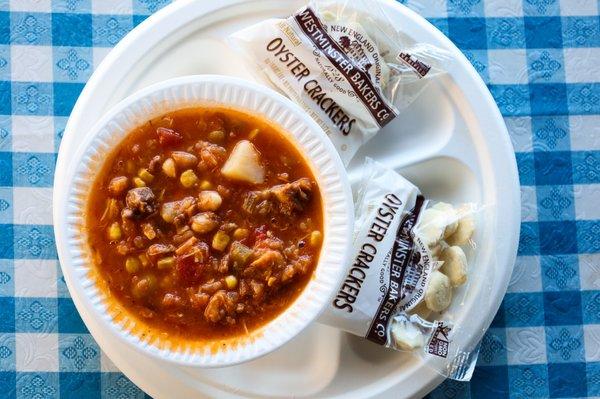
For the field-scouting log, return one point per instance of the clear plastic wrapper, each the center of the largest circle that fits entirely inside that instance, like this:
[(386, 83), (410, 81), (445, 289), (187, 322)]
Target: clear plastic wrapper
[(411, 263), (345, 63), (353, 71)]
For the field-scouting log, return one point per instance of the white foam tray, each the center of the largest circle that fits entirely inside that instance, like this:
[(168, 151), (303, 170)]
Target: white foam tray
[(452, 143)]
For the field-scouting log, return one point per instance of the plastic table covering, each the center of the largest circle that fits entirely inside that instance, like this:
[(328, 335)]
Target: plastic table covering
[(541, 61)]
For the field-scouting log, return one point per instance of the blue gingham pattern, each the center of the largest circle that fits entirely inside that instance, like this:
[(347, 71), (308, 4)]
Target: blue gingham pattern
[(541, 61)]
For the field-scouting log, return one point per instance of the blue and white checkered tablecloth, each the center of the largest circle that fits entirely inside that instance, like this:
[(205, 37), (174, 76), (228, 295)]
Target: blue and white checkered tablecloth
[(541, 60)]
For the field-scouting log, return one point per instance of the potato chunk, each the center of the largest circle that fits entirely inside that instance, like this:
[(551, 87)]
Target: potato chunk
[(244, 164)]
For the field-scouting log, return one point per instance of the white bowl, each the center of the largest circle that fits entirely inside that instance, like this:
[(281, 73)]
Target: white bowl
[(193, 91)]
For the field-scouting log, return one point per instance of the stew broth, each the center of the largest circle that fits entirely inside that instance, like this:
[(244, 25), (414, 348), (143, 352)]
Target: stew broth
[(205, 223)]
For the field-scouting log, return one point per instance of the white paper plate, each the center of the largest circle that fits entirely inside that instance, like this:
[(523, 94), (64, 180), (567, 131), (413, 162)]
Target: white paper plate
[(209, 90), (452, 143)]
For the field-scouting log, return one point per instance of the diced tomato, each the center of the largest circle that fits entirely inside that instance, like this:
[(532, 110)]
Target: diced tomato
[(168, 137), (188, 270), (260, 233)]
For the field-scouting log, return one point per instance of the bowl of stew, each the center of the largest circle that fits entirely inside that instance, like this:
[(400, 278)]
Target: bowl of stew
[(208, 222)]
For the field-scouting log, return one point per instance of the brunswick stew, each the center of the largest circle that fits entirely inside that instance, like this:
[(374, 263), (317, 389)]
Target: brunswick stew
[(206, 223)]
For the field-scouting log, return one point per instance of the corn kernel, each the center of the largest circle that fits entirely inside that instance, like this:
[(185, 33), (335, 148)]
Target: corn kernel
[(315, 238), (231, 281), (132, 265), (145, 175), (139, 182), (188, 178), (114, 232), (144, 259), (148, 231), (220, 240), (271, 281), (166, 263), (168, 168), (205, 185), (216, 136), (240, 234)]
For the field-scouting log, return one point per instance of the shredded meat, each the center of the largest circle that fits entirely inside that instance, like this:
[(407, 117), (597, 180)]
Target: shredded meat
[(269, 242), (186, 247), (296, 266), (160, 249), (155, 163), (221, 305), (292, 196), (128, 225), (184, 233), (170, 211), (287, 198), (193, 247), (198, 300), (267, 259), (258, 289), (273, 263), (211, 155), (258, 203), (123, 248), (244, 289), (139, 203), (172, 300), (224, 264), (211, 288)]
